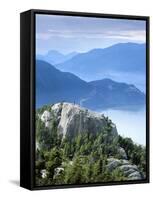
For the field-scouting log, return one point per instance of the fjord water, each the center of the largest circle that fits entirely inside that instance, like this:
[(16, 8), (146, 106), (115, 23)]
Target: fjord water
[(129, 123)]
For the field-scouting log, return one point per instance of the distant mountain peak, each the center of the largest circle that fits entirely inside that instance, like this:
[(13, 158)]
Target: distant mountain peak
[(128, 58), (54, 52), (55, 57), (121, 44), (54, 85)]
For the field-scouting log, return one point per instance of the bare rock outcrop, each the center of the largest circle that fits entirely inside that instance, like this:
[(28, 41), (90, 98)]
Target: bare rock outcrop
[(73, 119), (129, 170)]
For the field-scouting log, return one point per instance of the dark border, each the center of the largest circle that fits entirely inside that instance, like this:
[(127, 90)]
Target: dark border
[(32, 94), (26, 112)]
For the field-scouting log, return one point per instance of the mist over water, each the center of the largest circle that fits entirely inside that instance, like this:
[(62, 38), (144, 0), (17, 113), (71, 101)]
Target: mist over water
[(129, 123), (137, 79)]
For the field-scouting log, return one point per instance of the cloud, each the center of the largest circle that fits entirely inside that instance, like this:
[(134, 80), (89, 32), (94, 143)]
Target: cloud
[(139, 35), (43, 36), (69, 33)]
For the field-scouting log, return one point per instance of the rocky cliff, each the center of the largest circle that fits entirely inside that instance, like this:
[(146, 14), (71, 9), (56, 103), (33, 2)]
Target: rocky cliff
[(72, 120)]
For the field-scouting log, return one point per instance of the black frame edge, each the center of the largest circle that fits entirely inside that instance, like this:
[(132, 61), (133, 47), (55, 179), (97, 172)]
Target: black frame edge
[(88, 14), (25, 106), (148, 98)]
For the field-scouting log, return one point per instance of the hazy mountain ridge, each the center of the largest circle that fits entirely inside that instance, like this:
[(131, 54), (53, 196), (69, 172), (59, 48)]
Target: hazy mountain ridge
[(114, 94), (53, 86), (99, 63), (55, 57)]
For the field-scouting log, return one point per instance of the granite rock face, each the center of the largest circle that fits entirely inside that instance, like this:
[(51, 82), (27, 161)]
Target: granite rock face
[(73, 119), (122, 153), (129, 170), (46, 117)]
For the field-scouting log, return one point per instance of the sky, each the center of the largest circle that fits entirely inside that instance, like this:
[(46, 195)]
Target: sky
[(80, 34)]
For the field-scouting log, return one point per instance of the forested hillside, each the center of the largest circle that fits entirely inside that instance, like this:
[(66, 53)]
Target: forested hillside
[(75, 146)]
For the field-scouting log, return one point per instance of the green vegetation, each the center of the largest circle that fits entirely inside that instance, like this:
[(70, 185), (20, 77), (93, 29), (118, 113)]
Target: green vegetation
[(82, 158), (135, 153)]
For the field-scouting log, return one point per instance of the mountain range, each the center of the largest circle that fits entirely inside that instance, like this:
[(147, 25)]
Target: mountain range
[(53, 85), (128, 58), (55, 57)]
